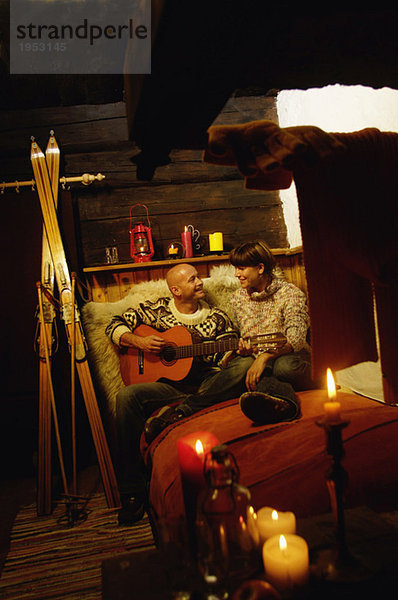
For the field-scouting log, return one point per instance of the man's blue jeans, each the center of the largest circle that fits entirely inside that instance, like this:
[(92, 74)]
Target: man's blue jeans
[(136, 403)]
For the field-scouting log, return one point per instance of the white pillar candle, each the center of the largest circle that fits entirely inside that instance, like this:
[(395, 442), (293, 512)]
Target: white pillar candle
[(332, 407), (286, 561), (271, 522)]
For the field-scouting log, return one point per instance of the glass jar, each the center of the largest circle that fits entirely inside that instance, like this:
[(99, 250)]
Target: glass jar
[(227, 535)]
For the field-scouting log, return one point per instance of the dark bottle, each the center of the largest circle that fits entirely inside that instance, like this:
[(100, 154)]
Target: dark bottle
[(227, 536)]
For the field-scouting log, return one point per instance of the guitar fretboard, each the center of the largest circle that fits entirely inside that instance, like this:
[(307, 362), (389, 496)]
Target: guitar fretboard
[(270, 341)]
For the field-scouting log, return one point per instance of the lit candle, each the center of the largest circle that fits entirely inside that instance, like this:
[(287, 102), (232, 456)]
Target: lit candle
[(186, 238), (252, 525), (173, 250), (192, 450), (286, 561), (332, 407), (216, 242), (271, 522)]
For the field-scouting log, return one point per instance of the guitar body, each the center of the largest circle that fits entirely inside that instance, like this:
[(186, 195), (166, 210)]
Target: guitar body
[(137, 366), (175, 360)]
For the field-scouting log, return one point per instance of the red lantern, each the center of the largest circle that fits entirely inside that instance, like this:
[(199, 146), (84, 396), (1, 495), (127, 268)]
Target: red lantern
[(141, 246)]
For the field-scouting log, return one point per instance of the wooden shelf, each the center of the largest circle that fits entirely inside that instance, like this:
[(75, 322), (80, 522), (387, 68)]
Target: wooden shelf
[(170, 262), (155, 263)]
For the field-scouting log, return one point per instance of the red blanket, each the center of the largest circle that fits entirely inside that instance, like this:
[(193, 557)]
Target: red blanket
[(349, 221), (285, 465)]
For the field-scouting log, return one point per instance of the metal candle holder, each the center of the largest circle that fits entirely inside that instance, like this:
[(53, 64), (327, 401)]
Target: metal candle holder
[(336, 479), (337, 563)]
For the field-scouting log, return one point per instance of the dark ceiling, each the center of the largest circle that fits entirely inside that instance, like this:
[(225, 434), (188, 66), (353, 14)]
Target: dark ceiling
[(201, 55), (203, 52)]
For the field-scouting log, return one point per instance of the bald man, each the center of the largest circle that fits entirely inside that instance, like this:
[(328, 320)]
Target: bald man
[(212, 378)]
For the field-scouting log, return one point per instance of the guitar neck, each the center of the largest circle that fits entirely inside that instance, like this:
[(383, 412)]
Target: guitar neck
[(224, 345)]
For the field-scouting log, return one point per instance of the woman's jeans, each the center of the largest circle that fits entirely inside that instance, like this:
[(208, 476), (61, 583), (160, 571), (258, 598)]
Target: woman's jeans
[(286, 375)]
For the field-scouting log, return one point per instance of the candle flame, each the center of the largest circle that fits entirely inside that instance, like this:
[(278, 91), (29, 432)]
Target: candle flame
[(331, 385), (282, 543), (186, 228), (274, 515), (199, 447)]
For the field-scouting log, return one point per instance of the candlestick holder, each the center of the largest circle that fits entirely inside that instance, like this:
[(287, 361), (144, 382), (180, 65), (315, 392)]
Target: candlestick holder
[(336, 563)]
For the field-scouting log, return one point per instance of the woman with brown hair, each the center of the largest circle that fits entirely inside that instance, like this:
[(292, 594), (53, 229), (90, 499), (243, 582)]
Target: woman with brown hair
[(266, 303)]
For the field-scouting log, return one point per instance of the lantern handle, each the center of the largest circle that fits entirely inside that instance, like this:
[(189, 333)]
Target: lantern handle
[(147, 215)]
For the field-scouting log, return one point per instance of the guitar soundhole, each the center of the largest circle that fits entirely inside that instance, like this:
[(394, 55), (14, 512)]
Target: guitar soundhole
[(169, 354)]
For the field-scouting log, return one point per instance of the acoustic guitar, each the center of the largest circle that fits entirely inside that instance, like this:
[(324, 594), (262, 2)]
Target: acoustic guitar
[(175, 360)]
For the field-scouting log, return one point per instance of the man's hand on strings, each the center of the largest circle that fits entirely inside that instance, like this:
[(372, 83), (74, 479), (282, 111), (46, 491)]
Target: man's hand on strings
[(149, 343)]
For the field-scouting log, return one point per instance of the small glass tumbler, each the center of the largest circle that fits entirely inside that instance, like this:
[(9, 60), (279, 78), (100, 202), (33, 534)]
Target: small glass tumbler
[(111, 255)]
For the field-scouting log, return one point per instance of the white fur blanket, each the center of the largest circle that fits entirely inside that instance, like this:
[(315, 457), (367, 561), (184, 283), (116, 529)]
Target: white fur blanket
[(103, 355)]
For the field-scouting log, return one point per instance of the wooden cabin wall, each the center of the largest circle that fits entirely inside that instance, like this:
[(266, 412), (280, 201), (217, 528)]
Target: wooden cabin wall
[(187, 191)]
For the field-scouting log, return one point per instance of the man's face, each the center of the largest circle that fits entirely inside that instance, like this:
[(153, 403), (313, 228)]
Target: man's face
[(190, 285)]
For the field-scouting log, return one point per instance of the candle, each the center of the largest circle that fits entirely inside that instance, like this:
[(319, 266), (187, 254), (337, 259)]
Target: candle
[(286, 561), (216, 242), (252, 525), (271, 522), (173, 250), (186, 238), (332, 407), (192, 450)]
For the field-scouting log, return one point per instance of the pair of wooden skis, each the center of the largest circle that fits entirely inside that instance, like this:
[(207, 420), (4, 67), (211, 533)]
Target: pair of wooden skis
[(55, 269)]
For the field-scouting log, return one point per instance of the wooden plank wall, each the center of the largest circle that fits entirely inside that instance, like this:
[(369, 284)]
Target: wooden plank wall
[(187, 191)]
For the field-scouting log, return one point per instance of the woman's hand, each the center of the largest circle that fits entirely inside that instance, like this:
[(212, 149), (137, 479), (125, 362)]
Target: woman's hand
[(256, 370)]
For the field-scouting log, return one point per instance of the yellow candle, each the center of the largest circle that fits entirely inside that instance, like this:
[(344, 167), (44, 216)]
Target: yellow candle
[(173, 249), (271, 522), (286, 561), (332, 407), (216, 241)]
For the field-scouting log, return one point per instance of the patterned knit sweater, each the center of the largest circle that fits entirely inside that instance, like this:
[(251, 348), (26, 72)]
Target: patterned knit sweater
[(282, 307), (207, 323)]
